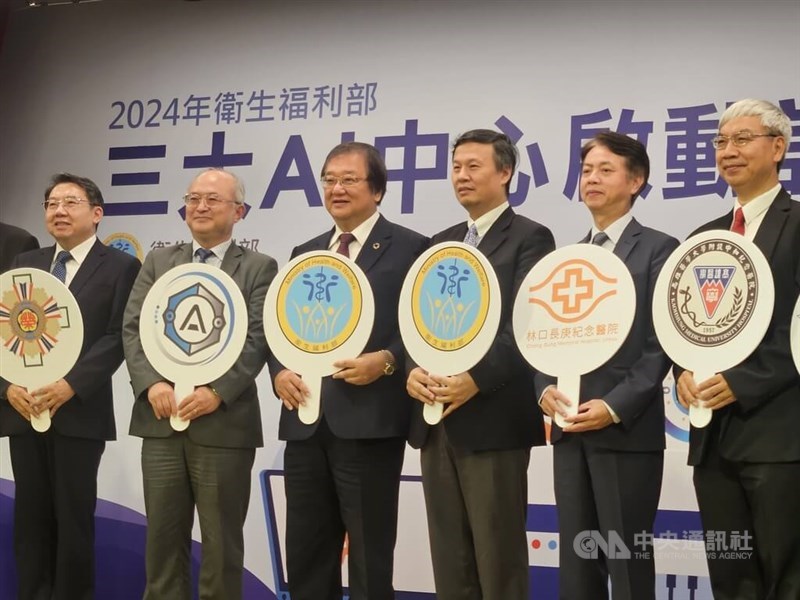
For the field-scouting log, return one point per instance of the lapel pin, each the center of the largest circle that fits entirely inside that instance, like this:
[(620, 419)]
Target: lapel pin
[(376, 245)]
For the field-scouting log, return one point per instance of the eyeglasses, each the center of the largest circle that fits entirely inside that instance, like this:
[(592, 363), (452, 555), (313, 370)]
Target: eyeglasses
[(68, 202), (347, 181), (212, 201), (739, 139)]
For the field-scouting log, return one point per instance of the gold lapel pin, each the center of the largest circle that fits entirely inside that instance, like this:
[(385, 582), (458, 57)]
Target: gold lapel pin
[(376, 245)]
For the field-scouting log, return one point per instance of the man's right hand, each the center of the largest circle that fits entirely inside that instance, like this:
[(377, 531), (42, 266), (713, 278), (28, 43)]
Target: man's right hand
[(688, 392), (23, 402), (161, 396), (418, 383), (553, 401), (291, 389)]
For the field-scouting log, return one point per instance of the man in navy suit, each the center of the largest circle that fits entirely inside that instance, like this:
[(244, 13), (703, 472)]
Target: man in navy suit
[(608, 460), (342, 473), (747, 461), (56, 471), (475, 461)]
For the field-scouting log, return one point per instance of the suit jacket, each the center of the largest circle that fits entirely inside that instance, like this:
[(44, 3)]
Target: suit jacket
[(631, 382), (382, 408), (101, 287), (237, 421), (504, 414), (761, 426), (13, 241)]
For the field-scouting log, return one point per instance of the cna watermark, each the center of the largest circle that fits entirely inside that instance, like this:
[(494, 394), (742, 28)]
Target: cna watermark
[(733, 545)]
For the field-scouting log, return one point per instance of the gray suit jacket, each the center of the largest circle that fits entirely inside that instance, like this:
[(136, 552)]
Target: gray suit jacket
[(237, 422)]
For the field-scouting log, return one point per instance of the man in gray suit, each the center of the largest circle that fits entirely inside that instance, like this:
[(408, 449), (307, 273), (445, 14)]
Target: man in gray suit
[(608, 460), (209, 464)]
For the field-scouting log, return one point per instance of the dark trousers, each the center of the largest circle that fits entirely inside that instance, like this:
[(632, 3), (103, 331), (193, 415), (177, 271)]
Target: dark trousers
[(752, 510), (180, 475), (55, 498), (614, 494), (334, 486), (477, 505)]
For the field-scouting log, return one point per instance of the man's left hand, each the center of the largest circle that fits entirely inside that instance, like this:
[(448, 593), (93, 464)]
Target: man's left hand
[(454, 390), (715, 392), (202, 401), (362, 370), (54, 395), (592, 415)]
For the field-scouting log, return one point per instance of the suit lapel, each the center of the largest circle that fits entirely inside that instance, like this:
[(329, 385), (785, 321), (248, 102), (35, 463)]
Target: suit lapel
[(321, 241), (232, 259), (182, 255), (92, 262), (628, 239), (496, 235), (375, 245), (774, 221), (44, 258)]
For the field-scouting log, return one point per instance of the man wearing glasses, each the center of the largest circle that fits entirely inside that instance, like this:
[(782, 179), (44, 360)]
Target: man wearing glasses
[(56, 472), (208, 465), (747, 461), (342, 473)]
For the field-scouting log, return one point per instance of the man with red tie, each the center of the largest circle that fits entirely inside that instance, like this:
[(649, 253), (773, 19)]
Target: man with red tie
[(747, 461), (342, 473)]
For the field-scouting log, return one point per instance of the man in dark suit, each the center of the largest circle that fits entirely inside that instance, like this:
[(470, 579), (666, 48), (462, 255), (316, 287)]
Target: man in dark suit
[(342, 473), (475, 461), (208, 465), (747, 461), (13, 241), (56, 471), (608, 460)]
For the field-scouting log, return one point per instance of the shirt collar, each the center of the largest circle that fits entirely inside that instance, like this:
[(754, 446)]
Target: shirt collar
[(615, 230), (361, 232), (757, 205), (219, 250), (79, 252), (484, 223)]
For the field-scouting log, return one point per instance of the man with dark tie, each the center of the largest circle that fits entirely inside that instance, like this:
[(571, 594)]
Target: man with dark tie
[(56, 472), (608, 460), (747, 460), (475, 461), (13, 241), (342, 473), (207, 466)]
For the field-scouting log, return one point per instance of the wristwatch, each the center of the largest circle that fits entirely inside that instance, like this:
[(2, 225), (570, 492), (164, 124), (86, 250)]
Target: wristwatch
[(388, 368)]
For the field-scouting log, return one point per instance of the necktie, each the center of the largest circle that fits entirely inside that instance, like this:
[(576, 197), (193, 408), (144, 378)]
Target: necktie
[(472, 239), (600, 238), (738, 222), (344, 244), (203, 255), (60, 267)]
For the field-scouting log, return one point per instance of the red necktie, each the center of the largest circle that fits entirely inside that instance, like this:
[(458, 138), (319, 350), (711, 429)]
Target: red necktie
[(738, 222), (344, 243)]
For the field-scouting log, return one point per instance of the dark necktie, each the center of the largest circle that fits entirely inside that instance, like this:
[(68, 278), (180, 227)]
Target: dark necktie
[(738, 222), (344, 244), (472, 238), (60, 266), (203, 255), (600, 238)]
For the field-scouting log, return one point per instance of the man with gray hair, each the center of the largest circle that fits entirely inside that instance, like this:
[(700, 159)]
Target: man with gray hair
[(208, 465), (747, 461)]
